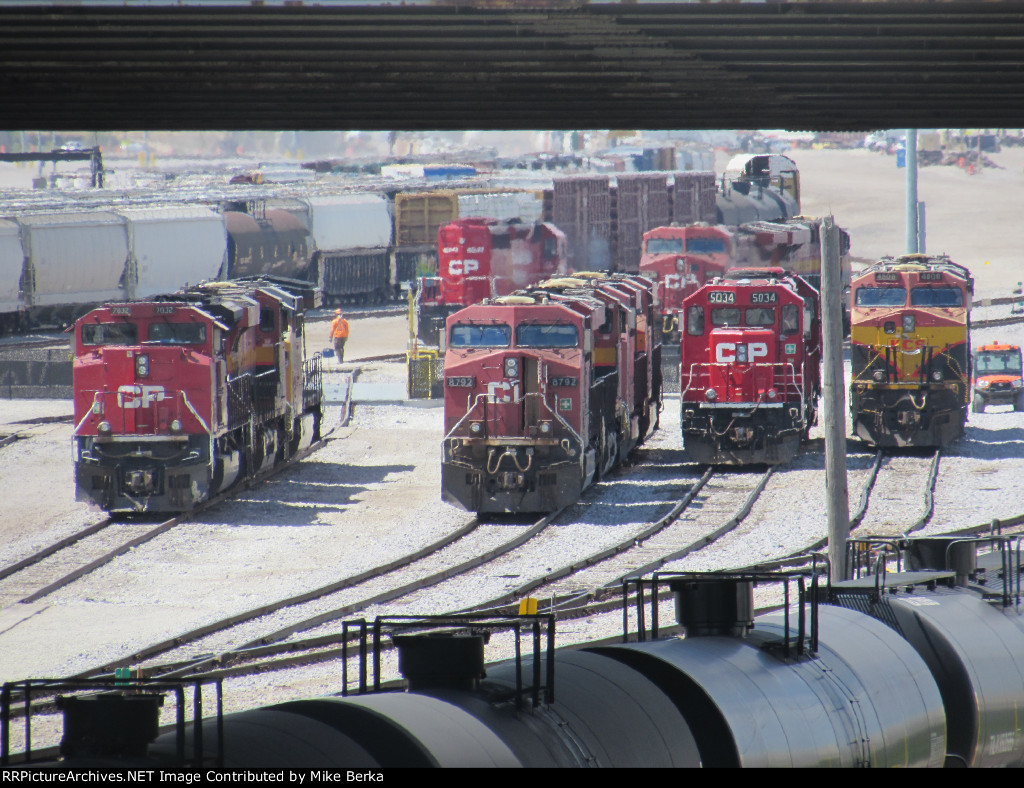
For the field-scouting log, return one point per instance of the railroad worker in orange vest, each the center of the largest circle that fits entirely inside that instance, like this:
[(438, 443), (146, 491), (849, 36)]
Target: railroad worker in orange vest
[(339, 333)]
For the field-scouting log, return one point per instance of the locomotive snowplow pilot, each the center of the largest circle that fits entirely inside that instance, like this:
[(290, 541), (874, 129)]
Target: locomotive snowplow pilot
[(339, 335)]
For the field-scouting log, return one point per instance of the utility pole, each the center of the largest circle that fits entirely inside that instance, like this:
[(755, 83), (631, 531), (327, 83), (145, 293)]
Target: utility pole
[(834, 409), (912, 208)]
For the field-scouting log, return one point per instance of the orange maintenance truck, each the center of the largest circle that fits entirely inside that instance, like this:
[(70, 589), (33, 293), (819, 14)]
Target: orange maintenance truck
[(997, 377)]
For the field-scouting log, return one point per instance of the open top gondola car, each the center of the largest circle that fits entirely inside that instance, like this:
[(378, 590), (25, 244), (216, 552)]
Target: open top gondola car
[(546, 389), (910, 351), (179, 396), (750, 375)]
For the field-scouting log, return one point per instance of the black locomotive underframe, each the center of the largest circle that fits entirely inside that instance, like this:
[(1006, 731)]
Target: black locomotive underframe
[(925, 415), (742, 435), (507, 476)]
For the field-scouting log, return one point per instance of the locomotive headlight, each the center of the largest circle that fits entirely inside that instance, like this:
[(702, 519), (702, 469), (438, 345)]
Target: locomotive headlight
[(937, 375), (175, 426), (908, 324), (511, 367), (680, 264), (710, 395), (741, 354), (103, 426), (142, 365)]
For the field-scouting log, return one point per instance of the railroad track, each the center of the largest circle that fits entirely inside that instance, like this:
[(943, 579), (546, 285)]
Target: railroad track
[(62, 562), (898, 497), (630, 554)]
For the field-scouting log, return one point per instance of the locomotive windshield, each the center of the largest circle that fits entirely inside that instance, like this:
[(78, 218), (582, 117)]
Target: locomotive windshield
[(725, 316), (110, 334), (664, 245), (989, 362), (535, 335), (759, 316), (467, 335), (936, 296), (177, 333), (881, 296), (705, 245)]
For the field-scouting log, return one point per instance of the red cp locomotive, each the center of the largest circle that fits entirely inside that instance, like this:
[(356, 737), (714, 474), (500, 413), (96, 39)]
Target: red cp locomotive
[(486, 258), (750, 375), (546, 389), (179, 396)]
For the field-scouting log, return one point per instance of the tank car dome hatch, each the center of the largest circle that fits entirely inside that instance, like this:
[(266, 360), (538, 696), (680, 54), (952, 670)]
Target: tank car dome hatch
[(714, 607), (950, 553), (441, 660)]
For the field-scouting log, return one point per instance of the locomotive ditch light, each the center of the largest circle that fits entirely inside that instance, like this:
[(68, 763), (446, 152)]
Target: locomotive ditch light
[(879, 375), (908, 323), (142, 365), (772, 393), (176, 426), (937, 375), (511, 367), (545, 427), (103, 426), (711, 395), (476, 427)]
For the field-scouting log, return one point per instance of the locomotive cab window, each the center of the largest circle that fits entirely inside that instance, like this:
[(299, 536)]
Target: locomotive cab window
[(881, 296), (791, 319), (695, 321), (664, 245), (936, 296), (759, 316), (266, 320), (550, 335), (467, 335), (177, 333), (110, 334), (705, 245), (725, 316)]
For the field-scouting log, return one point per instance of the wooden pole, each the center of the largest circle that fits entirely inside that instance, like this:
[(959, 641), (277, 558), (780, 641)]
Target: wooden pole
[(834, 408)]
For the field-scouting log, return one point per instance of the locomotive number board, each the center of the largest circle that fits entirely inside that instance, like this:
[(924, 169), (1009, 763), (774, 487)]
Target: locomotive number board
[(764, 297), (722, 297)]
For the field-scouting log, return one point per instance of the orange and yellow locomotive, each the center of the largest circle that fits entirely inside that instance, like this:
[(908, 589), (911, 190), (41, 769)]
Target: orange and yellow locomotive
[(910, 351)]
